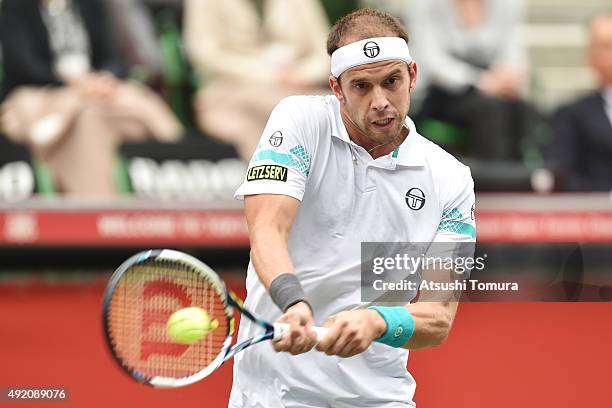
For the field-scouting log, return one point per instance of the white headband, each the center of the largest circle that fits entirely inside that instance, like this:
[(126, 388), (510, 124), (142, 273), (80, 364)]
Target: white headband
[(369, 51)]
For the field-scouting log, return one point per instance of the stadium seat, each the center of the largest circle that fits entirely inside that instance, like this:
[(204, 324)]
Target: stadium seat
[(195, 169), (20, 175), (180, 82), (336, 9), (442, 133)]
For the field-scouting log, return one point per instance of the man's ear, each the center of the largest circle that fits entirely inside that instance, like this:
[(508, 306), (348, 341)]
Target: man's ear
[(334, 84), (412, 70)]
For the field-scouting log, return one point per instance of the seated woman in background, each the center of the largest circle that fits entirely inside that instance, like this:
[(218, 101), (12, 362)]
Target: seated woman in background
[(64, 96), (251, 54), (472, 66)]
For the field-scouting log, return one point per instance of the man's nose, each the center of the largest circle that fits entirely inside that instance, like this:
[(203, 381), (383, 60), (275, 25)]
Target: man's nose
[(379, 101)]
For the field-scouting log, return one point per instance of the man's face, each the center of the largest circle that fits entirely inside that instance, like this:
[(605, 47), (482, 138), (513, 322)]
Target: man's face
[(376, 99), (600, 50)]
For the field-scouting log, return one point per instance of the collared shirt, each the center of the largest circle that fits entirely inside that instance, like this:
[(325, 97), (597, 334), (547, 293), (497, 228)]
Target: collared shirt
[(417, 193)]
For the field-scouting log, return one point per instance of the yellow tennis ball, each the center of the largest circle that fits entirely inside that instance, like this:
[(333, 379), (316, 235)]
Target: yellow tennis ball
[(189, 325)]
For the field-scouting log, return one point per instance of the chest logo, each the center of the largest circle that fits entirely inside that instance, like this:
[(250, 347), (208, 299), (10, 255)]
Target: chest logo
[(415, 198), (276, 139), (371, 49)]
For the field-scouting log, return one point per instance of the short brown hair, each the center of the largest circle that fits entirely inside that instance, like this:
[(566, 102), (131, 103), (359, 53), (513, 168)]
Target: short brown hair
[(364, 23)]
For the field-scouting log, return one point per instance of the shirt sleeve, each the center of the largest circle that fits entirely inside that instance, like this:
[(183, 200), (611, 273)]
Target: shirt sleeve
[(458, 221), (281, 162), (456, 235)]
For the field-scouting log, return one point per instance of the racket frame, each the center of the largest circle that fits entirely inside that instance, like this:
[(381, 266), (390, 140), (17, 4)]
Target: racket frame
[(210, 276), (230, 300)]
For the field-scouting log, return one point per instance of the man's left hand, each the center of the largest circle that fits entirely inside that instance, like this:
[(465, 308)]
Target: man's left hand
[(351, 332)]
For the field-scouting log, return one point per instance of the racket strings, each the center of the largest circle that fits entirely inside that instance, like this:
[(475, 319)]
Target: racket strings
[(144, 299)]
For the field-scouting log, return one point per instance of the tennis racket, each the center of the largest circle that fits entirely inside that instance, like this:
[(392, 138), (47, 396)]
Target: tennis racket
[(140, 297)]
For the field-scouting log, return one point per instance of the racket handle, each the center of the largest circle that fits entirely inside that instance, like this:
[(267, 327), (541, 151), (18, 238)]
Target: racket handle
[(280, 329), (320, 331)]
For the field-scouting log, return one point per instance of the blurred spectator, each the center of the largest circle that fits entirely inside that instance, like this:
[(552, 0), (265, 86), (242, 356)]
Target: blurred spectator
[(582, 147), (250, 54), (64, 95), (472, 71), (138, 38)]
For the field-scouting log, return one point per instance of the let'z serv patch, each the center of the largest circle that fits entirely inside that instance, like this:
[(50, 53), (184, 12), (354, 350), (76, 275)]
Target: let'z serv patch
[(267, 172)]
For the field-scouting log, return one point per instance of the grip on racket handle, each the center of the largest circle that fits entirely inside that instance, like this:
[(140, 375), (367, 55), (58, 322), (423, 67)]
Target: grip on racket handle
[(320, 331), (280, 329)]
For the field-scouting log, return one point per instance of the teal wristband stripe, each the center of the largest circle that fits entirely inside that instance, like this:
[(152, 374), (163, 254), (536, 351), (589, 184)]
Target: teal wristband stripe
[(400, 325)]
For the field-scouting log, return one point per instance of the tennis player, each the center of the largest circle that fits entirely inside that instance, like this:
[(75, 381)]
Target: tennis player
[(331, 172)]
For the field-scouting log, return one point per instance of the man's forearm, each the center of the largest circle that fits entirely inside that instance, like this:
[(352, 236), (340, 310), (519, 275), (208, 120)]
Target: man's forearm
[(269, 263), (432, 323)]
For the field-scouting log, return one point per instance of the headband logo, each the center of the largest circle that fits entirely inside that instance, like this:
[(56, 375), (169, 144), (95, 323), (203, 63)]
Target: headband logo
[(371, 49)]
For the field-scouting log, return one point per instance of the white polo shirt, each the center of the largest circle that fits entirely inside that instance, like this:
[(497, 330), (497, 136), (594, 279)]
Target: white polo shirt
[(418, 193)]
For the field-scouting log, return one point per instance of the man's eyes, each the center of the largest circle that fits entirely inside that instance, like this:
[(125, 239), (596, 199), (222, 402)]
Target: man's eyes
[(388, 82), (391, 81)]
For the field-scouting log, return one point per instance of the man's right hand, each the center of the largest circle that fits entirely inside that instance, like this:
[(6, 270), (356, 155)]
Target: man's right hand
[(299, 338)]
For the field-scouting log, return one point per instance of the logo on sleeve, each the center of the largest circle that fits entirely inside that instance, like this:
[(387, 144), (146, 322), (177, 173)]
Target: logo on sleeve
[(267, 172), (276, 139), (415, 198), (371, 49)]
